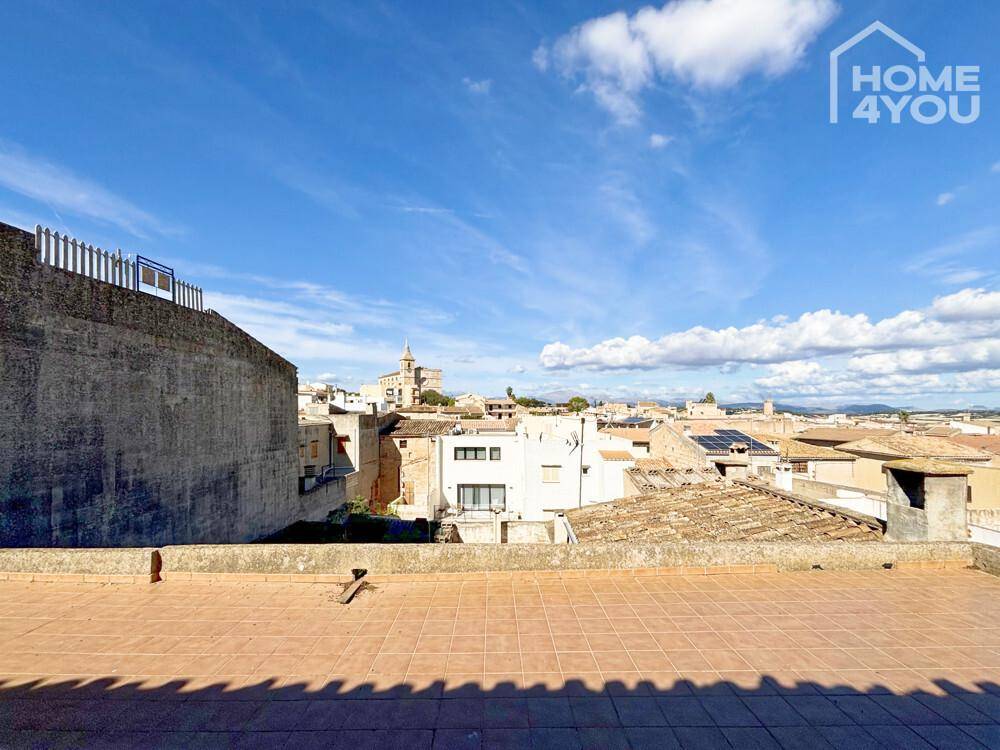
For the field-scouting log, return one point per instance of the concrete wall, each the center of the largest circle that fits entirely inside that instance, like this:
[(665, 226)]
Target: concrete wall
[(129, 420), (362, 449), (668, 441), (834, 472), (459, 558)]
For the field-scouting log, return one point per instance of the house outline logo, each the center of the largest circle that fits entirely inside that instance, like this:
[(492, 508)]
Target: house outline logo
[(899, 39), (905, 91)]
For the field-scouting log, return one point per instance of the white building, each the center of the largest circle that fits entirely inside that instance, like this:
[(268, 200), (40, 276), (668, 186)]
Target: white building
[(532, 472), (348, 401)]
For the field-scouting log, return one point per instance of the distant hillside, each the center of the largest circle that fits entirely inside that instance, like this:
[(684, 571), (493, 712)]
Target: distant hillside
[(843, 409)]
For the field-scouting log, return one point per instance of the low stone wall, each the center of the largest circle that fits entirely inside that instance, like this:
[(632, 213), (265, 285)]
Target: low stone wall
[(117, 564), (986, 558), (335, 562), (340, 559)]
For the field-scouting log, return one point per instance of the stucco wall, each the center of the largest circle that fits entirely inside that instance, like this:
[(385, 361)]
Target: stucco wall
[(834, 472), (668, 441), (129, 420)]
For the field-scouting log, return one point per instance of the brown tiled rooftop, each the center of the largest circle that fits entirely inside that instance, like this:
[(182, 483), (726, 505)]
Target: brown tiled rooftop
[(652, 474), (840, 434), (717, 512), (635, 434), (987, 443), (420, 428), (856, 659), (612, 455), (792, 449), (915, 446)]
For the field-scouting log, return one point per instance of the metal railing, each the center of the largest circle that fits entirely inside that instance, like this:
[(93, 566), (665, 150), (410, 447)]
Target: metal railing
[(70, 254)]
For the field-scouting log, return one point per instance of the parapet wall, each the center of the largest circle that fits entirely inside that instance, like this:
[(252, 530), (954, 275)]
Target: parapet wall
[(305, 559), (333, 563), (127, 420)]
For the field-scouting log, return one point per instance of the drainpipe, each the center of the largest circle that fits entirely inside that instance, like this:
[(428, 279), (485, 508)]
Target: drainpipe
[(579, 493)]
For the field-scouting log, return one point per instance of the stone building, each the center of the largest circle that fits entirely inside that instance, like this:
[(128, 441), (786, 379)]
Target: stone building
[(405, 386), (409, 466), (124, 417)]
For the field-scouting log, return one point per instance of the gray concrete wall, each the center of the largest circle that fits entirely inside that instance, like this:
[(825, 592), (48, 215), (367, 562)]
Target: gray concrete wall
[(127, 420)]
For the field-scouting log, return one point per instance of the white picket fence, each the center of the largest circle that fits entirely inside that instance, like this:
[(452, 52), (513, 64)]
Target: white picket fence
[(69, 254)]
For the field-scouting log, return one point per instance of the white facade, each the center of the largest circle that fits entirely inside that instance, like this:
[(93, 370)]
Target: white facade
[(354, 402), (533, 472)]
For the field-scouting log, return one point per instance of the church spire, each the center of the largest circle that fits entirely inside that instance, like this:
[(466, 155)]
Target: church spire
[(406, 351)]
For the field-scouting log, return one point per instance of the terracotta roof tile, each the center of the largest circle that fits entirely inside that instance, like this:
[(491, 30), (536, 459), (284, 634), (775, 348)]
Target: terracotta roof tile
[(420, 428), (616, 455), (988, 443), (792, 449), (714, 511), (915, 446), (635, 434), (839, 434)]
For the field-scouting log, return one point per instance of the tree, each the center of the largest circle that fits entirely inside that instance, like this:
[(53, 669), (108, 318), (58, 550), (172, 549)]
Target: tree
[(709, 398), (577, 404), (904, 416), (433, 398), (510, 393), (530, 403)]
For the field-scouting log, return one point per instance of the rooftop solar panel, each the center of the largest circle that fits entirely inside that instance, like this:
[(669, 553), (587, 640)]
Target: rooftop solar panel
[(721, 440)]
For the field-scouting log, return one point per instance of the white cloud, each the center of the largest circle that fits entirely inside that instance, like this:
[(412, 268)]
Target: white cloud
[(658, 140), (969, 355), (478, 87), (540, 58), (968, 315), (60, 189), (968, 304), (944, 199), (703, 43), (951, 261), (809, 379)]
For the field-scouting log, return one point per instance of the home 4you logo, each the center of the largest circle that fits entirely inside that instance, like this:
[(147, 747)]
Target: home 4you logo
[(897, 92)]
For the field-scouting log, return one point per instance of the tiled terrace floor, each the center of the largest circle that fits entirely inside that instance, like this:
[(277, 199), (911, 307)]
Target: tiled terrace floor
[(810, 660)]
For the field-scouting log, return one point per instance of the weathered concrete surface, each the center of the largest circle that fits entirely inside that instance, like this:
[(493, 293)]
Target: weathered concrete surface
[(461, 558), (129, 420), (986, 558), (134, 561)]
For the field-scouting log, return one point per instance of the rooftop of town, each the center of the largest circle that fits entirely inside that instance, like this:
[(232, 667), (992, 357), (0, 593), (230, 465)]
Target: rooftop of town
[(847, 659)]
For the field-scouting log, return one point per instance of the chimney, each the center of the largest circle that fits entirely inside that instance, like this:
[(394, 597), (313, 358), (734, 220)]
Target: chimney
[(927, 501), (783, 477)]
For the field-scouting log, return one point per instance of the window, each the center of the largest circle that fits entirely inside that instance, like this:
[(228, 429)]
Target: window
[(550, 473), (314, 449), (586, 471), (800, 467), (470, 454), (402, 443), (482, 496), (495, 453)]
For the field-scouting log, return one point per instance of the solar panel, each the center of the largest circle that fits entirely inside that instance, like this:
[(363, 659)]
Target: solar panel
[(723, 439)]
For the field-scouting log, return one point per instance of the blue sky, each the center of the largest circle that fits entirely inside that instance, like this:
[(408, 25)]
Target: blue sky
[(610, 198)]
